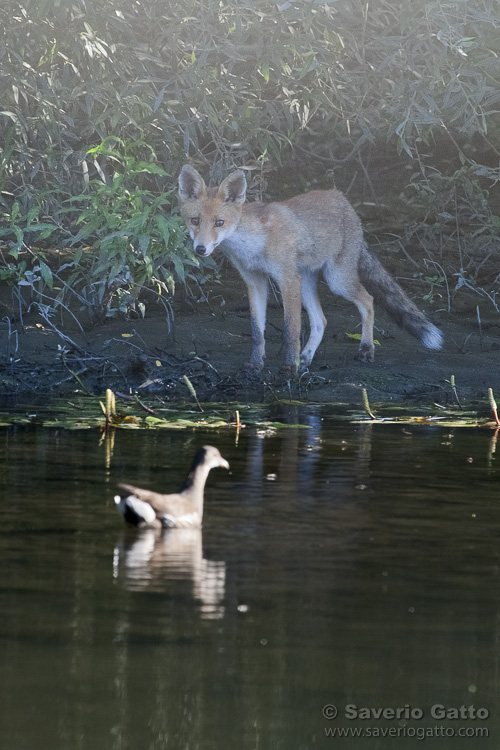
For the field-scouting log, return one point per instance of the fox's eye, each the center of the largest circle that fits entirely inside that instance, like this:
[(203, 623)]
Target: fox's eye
[(219, 222), (195, 221)]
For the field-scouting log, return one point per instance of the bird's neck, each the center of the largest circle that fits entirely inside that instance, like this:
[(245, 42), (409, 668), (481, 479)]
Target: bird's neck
[(195, 484)]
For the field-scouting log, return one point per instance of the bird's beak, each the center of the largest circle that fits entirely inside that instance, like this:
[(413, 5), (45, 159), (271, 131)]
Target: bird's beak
[(223, 464)]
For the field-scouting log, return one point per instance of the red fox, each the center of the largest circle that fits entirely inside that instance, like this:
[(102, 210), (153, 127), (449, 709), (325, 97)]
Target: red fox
[(292, 241)]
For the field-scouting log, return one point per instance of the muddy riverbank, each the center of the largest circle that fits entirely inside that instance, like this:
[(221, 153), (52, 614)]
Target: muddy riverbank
[(210, 343)]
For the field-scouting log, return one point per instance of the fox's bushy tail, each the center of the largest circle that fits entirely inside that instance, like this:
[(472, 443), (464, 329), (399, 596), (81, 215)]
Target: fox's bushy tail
[(390, 295)]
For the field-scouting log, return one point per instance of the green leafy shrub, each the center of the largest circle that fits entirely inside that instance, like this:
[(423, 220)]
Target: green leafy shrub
[(136, 243), (103, 102)]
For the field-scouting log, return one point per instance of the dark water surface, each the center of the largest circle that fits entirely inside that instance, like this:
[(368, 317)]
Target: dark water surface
[(351, 565)]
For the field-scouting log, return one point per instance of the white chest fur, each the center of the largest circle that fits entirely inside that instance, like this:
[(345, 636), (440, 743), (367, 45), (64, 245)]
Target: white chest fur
[(246, 249)]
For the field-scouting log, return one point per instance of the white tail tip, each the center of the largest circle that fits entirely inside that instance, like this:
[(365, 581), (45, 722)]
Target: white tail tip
[(432, 338)]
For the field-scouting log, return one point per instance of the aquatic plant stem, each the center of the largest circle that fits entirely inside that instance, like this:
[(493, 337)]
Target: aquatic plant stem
[(493, 405), (454, 389), (109, 410), (192, 391), (366, 405)]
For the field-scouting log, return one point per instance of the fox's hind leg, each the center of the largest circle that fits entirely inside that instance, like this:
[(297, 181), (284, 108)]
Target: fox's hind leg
[(317, 320), (344, 282)]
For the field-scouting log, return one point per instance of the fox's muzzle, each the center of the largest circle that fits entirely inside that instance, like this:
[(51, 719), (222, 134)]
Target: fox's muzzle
[(201, 250)]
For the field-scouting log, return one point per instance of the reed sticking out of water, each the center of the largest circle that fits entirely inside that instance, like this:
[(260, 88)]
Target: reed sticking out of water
[(454, 389), (109, 409), (493, 405), (366, 404), (192, 390)]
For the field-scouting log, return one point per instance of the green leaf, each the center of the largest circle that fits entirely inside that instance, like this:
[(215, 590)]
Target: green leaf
[(41, 227), (46, 274), (179, 267), (32, 214), (150, 168), (144, 241), (163, 227), (357, 337)]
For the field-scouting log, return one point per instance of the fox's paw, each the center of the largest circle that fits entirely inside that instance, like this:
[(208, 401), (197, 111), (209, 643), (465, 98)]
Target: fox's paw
[(251, 371), (289, 372), (305, 361), (253, 367), (366, 353)]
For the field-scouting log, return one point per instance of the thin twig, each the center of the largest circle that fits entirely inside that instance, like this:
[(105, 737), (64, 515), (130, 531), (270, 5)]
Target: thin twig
[(56, 330), (208, 365), (113, 364), (76, 376), (407, 254), (72, 376), (445, 280)]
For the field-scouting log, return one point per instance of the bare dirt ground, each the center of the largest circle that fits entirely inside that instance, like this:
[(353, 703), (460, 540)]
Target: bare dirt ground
[(210, 343)]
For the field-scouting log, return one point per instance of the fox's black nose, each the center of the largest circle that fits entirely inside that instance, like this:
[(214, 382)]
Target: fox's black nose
[(201, 249)]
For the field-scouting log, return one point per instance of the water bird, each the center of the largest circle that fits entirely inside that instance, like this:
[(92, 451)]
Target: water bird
[(181, 510)]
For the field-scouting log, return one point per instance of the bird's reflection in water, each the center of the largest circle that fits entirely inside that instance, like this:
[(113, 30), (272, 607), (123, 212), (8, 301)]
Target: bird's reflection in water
[(150, 559)]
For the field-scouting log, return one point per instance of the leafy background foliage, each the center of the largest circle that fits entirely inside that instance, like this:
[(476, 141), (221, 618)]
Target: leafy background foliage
[(102, 102)]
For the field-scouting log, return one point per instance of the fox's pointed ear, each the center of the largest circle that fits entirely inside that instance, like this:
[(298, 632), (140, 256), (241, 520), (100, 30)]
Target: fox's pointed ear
[(191, 184), (234, 188)]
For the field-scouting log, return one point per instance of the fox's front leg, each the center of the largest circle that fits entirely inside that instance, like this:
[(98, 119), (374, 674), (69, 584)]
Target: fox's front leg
[(257, 293), (292, 308)]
